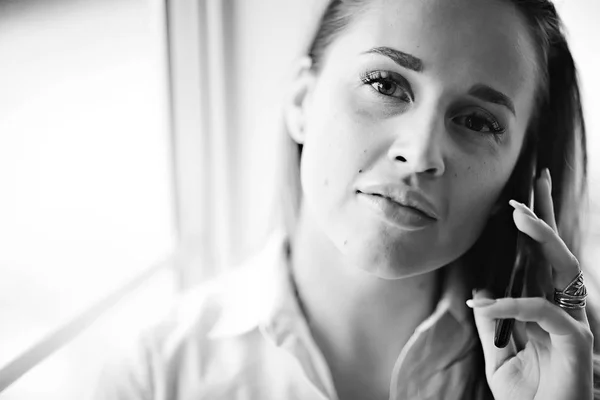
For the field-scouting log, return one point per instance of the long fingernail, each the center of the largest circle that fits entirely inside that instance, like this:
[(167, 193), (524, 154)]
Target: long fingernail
[(522, 207), (516, 204), (480, 302)]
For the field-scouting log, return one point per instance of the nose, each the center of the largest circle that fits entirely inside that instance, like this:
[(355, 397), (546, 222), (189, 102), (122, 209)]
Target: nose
[(418, 143)]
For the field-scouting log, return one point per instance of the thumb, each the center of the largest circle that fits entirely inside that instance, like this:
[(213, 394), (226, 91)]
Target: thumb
[(486, 327)]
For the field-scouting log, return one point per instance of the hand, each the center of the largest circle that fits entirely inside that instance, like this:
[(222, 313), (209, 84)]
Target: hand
[(556, 362)]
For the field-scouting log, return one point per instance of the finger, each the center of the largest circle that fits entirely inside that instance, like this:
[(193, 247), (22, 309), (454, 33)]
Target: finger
[(565, 266), (578, 314), (554, 249), (545, 209), (541, 275), (544, 205), (564, 331), (486, 327)]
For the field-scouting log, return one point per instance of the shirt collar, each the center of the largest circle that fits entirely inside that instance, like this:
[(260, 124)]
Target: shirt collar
[(450, 329), (262, 295), (253, 293)]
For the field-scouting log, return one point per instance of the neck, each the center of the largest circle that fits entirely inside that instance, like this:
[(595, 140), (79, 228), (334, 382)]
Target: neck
[(358, 320)]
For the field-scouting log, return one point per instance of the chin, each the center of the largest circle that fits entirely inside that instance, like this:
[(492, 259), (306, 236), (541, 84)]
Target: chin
[(386, 258)]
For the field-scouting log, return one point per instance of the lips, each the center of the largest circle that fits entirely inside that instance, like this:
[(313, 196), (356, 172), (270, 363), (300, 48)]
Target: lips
[(403, 217), (404, 196), (421, 212)]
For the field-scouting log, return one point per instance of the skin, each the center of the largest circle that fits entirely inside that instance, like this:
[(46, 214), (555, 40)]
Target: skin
[(364, 282)]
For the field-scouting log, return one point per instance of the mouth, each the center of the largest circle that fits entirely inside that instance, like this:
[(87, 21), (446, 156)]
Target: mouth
[(420, 211), (403, 216)]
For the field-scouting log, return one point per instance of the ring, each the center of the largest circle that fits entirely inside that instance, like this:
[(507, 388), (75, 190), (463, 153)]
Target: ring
[(573, 296)]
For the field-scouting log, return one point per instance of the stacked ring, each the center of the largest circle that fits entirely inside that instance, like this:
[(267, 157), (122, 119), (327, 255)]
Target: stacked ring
[(573, 297)]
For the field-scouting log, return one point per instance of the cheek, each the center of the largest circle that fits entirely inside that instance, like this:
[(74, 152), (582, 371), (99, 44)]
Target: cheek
[(476, 186), (336, 148)]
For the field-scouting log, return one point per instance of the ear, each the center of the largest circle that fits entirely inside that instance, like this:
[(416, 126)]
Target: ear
[(296, 100)]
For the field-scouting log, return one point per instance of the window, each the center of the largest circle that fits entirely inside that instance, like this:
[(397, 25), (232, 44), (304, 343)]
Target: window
[(85, 165)]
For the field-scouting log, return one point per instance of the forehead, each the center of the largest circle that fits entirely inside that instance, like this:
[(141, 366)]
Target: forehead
[(461, 41)]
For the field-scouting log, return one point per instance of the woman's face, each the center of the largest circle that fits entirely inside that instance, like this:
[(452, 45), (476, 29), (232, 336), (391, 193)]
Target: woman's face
[(427, 96)]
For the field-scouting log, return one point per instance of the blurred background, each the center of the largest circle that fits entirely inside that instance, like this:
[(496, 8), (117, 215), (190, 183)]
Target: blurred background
[(136, 162)]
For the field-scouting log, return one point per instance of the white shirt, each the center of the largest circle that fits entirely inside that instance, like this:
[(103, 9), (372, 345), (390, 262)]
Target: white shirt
[(243, 337)]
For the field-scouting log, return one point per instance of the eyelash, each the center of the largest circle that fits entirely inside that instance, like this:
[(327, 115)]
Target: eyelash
[(494, 127), (381, 77)]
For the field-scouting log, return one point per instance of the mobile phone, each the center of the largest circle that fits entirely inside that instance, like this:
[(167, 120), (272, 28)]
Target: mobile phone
[(523, 256)]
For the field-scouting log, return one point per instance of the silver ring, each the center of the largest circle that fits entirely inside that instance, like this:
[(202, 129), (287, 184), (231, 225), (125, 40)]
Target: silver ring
[(573, 297)]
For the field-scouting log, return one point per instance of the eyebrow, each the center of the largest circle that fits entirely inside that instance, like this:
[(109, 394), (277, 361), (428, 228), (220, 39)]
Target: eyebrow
[(402, 59), (486, 93), (408, 61)]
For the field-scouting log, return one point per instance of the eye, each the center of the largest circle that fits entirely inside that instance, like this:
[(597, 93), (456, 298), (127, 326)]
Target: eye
[(389, 84), (480, 122), (386, 87)]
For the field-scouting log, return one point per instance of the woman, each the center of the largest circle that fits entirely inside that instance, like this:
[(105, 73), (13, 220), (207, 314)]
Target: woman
[(436, 105)]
